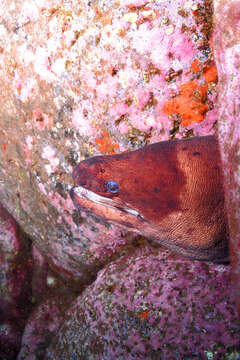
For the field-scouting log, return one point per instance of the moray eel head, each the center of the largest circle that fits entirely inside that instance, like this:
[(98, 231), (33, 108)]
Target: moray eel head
[(170, 192)]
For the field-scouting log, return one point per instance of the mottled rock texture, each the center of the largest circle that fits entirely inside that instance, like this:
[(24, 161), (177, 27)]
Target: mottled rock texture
[(42, 325), (152, 306), (227, 51), (16, 268)]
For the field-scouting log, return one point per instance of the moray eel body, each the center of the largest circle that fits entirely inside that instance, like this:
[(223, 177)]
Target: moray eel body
[(170, 192)]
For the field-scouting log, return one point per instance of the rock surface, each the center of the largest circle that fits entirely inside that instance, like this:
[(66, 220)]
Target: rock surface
[(43, 323), (152, 306), (227, 50), (16, 268)]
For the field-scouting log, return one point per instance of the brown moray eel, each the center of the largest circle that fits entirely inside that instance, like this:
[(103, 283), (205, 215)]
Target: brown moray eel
[(170, 192)]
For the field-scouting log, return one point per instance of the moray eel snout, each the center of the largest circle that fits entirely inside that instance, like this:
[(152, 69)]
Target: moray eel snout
[(170, 192)]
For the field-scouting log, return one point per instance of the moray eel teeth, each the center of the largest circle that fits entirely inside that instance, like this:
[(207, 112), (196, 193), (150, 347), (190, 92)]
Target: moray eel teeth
[(84, 193)]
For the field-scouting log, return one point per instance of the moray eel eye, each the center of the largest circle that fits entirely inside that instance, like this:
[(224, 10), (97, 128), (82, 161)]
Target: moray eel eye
[(112, 186)]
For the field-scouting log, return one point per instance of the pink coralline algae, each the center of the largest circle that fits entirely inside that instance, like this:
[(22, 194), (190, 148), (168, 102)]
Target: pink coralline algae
[(43, 322), (152, 306)]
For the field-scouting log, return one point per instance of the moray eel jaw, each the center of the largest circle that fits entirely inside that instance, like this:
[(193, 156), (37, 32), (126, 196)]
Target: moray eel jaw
[(91, 196), (107, 209)]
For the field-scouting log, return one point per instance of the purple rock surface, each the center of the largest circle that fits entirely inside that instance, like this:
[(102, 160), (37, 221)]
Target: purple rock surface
[(15, 284), (42, 325), (227, 50), (152, 306)]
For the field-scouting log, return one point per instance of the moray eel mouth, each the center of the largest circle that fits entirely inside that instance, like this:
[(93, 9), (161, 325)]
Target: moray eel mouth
[(85, 194)]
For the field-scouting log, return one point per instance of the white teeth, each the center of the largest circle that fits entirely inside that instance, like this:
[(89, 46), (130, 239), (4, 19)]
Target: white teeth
[(98, 199), (82, 192)]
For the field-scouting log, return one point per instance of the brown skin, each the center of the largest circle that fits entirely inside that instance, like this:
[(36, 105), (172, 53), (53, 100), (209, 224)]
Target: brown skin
[(175, 186)]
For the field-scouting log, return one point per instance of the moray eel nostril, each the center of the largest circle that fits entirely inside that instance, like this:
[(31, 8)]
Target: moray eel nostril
[(170, 192)]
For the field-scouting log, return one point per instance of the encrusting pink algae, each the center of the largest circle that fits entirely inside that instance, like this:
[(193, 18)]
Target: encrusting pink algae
[(151, 305)]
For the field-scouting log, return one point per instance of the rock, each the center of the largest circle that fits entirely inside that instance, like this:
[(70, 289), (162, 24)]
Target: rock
[(32, 295), (42, 325), (227, 52), (152, 306), (15, 284)]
